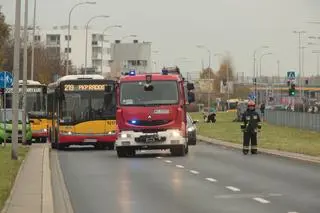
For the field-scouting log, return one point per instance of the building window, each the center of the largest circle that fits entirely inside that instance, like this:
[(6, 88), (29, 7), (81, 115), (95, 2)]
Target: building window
[(67, 37), (69, 62), (66, 50), (94, 43), (108, 51), (37, 38)]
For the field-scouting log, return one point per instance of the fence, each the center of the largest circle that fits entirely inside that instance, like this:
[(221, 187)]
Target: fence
[(302, 120)]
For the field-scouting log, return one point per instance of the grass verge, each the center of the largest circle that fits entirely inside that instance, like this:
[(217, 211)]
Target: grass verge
[(8, 170), (271, 137)]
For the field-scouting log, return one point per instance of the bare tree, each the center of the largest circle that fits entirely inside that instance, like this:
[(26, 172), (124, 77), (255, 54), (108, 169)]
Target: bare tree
[(46, 65), (4, 35)]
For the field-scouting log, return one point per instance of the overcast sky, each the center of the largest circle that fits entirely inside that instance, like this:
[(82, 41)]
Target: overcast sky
[(175, 27)]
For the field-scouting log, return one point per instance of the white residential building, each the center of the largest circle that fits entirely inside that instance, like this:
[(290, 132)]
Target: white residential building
[(98, 48)]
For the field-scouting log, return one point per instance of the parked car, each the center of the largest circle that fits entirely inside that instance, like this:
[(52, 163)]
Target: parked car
[(6, 126), (192, 130)]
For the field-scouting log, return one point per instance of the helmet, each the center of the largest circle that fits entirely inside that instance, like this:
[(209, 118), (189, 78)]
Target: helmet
[(251, 103)]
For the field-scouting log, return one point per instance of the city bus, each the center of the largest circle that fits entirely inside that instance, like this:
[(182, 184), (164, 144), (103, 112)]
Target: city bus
[(35, 107), (82, 109)]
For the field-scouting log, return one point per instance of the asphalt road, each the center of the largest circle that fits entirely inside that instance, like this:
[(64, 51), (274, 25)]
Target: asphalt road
[(210, 179)]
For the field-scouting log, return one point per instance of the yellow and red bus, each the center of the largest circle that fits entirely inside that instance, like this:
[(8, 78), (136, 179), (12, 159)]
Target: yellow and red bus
[(82, 109)]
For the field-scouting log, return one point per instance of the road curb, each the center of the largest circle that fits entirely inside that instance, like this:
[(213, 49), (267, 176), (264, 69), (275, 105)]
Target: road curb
[(62, 202), (289, 155), (47, 198), (8, 201)]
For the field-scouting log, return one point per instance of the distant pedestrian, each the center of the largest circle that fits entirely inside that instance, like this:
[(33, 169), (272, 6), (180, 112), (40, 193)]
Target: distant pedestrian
[(262, 109)]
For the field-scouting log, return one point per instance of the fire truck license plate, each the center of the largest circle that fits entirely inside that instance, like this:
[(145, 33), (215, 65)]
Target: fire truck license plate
[(150, 140)]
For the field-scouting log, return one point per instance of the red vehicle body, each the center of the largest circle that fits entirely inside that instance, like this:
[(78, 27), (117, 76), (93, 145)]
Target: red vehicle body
[(151, 113)]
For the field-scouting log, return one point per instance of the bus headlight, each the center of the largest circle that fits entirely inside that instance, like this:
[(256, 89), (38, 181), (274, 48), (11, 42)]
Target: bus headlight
[(111, 132), (44, 130)]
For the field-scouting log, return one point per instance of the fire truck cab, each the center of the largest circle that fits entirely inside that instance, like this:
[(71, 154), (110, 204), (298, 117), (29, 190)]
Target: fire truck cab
[(151, 112)]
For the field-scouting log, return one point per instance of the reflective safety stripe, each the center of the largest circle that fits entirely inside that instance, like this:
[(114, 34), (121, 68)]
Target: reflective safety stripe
[(253, 147), (246, 147)]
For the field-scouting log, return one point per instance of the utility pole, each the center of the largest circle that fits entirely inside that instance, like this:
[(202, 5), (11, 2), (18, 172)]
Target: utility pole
[(25, 72), (33, 38), (15, 94)]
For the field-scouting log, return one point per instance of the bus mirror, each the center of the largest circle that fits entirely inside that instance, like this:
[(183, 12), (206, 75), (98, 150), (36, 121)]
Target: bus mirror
[(148, 87), (108, 89), (191, 97), (190, 86)]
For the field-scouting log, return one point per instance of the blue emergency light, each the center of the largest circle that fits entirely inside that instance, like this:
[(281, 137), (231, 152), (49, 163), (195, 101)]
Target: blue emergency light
[(165, 72), (132, 72)]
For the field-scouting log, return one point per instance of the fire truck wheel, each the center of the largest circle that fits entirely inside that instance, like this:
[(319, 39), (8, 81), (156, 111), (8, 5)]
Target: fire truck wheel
[(121, 152), (178, 151)]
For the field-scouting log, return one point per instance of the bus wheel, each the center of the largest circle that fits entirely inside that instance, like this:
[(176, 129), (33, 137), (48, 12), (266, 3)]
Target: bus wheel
[(111, 146)]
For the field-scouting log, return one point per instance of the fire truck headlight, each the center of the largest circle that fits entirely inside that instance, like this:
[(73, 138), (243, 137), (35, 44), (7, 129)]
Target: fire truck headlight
[(175, 133), (44, 130), (190, 129), (124, 135)]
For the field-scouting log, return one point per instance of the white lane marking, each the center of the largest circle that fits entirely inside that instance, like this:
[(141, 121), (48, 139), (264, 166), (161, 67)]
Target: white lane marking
[(234, 189), (292, 212), (261, 200), (180, 166), (143, 151), (211, 179), (159, 157), (168, 161), (194, 172)]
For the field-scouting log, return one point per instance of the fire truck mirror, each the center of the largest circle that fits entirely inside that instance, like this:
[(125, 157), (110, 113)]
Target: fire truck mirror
[(190, 86), (148, 87)]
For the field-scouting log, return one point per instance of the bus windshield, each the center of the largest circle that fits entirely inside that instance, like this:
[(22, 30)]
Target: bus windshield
[(164, 93), (86, 106)]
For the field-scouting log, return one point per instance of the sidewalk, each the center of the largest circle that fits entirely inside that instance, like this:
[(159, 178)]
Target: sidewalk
[(290, 155), (31, 192)]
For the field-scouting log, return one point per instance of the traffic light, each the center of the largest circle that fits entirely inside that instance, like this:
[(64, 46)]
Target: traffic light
[(292, 90)]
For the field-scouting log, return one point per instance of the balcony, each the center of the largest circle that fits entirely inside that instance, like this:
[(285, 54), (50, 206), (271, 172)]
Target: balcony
[(96, 56), (96, 43)]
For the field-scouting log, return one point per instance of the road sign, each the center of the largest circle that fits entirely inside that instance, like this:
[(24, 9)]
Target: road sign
[(291, 75), (6, 79)]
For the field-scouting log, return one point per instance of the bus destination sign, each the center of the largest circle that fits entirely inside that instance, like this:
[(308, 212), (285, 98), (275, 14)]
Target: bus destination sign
[(84, 87)]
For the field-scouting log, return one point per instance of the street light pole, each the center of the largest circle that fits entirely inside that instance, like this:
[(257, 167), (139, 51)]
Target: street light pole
[(103, 34), (16, 68), (69, 23), (25, 70), (33, 38), (254, 69), (260, 70), (87, 25), (299, 49)]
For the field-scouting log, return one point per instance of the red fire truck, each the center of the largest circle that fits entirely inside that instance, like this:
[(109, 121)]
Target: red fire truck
[(151, 112)]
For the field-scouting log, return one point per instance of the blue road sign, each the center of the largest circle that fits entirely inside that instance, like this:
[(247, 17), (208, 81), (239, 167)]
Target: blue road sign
[(6, 79), (291, 74)]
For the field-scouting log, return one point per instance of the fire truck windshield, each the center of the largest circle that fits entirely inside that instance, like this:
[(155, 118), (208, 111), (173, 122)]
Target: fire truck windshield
[(133, 93)]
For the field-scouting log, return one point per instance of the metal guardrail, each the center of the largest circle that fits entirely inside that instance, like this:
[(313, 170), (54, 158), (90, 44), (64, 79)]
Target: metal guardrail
[(301, 120)]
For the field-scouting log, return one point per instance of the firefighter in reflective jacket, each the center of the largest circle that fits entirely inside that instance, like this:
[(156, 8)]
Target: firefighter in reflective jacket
[(251, 124)]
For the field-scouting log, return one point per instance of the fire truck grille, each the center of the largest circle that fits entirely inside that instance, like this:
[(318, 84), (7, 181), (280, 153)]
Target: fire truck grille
[(148, 123)]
